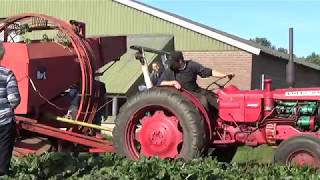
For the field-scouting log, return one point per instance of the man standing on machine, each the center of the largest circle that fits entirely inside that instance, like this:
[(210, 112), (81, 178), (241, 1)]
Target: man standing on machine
[(183, 74), (9, 100)]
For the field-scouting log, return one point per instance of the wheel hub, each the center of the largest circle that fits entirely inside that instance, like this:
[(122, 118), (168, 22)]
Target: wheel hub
[(157, 137), (160, 135), (303, 158)]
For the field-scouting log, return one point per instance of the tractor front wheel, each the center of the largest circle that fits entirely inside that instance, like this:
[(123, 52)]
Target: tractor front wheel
[(300, 151), (159, 122)]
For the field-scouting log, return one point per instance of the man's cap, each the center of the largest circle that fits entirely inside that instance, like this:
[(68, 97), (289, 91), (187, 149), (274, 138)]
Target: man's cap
[(173, 57)]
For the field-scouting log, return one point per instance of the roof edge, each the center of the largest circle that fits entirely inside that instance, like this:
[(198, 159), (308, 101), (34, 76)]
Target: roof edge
[(191, 26)]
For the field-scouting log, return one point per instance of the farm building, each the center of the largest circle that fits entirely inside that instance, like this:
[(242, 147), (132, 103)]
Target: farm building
[(159, 29)]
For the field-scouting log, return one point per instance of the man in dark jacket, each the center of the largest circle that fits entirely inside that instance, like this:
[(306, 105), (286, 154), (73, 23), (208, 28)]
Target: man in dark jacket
[(183, 74), (9, 100)]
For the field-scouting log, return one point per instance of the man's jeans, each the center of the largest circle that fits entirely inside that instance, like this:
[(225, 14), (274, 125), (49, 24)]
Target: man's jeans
[(7, 140)]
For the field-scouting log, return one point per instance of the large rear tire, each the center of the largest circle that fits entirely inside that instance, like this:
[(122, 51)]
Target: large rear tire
[(300, 150), (160, 122)]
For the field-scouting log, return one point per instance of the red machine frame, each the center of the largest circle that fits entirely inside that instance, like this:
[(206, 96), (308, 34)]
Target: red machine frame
[(83, 58)]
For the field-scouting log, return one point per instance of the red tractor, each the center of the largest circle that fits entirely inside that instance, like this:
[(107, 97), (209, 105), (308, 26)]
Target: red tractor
[(170, 123)]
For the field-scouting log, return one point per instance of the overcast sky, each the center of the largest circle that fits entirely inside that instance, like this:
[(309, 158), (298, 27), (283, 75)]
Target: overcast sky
[(255, 18)]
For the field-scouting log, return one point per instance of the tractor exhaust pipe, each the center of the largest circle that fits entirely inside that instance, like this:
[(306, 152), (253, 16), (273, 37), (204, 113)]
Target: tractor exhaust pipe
[(290, 66)]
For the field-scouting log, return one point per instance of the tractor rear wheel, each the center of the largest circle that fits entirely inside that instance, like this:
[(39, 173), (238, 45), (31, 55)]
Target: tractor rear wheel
[(159, 122), (300, 150)]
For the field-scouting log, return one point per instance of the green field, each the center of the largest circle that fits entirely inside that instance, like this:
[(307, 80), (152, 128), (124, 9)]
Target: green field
[(248, 163), (56, 166), (263, 154)]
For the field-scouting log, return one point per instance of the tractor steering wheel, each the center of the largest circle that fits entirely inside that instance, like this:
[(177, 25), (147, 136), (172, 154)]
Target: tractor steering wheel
[(222, 85)]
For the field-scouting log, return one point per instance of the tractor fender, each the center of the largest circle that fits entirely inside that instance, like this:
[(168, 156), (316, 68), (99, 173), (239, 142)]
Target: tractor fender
[(200, 107)]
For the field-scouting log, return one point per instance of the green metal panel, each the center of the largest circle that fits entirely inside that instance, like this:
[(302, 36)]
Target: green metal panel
[(108, 17), (124, 76)]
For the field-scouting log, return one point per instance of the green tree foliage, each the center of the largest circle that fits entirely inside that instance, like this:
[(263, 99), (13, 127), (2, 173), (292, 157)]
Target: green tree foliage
[(262, 41), (266, 43), (284, 50), (314, 58)]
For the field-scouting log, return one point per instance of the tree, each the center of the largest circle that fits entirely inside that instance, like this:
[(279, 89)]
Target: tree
[(262, 41), (314, 58), (284, 50), (266, 43)]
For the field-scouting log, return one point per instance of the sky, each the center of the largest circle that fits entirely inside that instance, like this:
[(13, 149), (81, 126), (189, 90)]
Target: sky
[(255, 18)]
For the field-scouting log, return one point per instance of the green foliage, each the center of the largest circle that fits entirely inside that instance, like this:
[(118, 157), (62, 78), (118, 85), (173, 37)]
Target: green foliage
[(266, 43), (45, 38), (56, 166), (314, 58), (263, 42), (23, 29), (62, 39), (283, 50)]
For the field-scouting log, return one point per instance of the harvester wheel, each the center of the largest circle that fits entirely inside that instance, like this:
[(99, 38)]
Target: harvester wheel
[(159, 122), (300, 150)]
